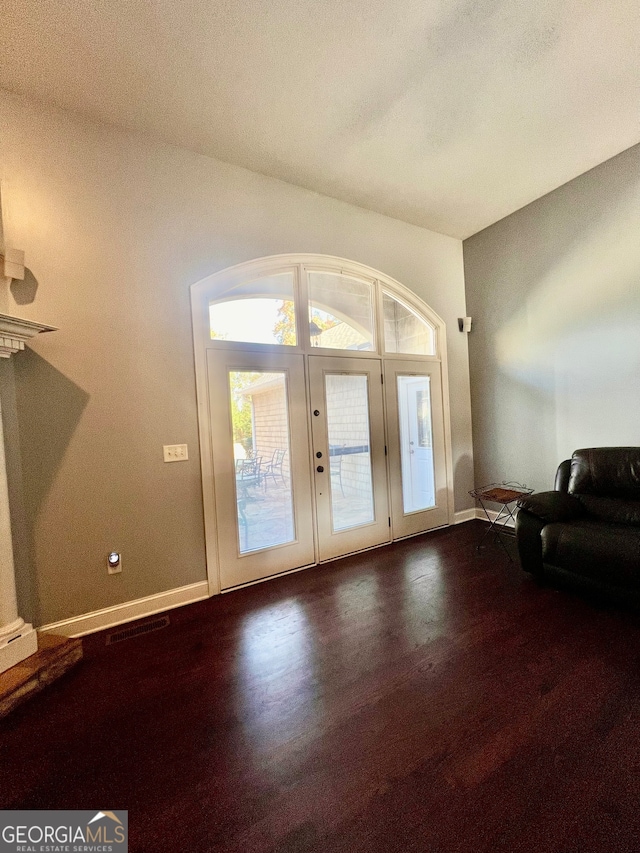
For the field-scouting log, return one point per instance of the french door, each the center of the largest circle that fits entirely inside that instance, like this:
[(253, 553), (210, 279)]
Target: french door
[(273, 512), (259, 439), (306, 453), (348, 448), (417, 460), (304, 468)]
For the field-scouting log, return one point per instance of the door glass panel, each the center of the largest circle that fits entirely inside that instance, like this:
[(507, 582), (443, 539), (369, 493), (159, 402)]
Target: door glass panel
[(416, 443), (340, 312), (404, 331), (260, 421), (256, 312), (347, 402)]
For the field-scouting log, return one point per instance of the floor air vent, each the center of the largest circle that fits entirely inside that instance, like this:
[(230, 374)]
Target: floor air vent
[(137, 630)]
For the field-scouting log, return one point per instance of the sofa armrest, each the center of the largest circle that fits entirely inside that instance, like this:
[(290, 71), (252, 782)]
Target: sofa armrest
[(563, 475), (529, 542), (552, 506)]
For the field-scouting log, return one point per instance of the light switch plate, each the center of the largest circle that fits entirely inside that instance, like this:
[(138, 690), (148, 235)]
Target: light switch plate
[(175, 452)]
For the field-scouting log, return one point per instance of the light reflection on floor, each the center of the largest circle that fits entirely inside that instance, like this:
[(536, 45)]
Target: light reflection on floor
[(277, 664), (425, 599)]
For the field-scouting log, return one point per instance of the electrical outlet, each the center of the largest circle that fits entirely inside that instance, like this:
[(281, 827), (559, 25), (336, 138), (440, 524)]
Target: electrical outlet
[(114, 563), (175, 452)]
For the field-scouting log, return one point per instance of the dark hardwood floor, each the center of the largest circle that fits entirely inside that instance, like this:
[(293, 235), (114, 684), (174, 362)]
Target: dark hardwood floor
[(414, 698)]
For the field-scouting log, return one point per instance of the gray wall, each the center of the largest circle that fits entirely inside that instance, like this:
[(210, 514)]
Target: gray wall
[(116, 227), (554, 292)]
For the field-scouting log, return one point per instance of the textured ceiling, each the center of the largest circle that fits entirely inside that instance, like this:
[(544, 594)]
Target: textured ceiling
[(449, 115)]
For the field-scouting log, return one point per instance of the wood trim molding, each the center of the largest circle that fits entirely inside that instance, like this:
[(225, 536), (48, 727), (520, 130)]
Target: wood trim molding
[(493, 514), (119, 614), (471, 514), (464, 515)]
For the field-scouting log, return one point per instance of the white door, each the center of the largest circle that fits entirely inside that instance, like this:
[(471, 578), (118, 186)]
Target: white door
[(417, 464), (259, 439), (348, 447)]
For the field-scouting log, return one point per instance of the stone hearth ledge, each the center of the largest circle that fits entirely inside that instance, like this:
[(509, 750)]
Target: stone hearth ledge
[(55, 656)]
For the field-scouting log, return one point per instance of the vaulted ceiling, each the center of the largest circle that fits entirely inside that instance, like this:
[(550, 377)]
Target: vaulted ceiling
[(448, 114)]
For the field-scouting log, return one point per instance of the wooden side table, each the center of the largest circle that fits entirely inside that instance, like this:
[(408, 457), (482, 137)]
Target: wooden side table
[(505, 495)]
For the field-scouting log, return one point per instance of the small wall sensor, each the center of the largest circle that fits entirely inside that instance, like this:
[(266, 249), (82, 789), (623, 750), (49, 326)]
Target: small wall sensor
[(114, 563), (13, 264), (464, 324)]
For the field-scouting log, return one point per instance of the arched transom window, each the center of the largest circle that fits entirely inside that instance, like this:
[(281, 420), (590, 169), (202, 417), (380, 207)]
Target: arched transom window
[(314, 306)]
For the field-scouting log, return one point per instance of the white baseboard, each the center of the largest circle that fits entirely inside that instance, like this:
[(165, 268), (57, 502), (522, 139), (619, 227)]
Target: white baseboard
[(464, 515), (478, 512), (493, 514), (109, 617)]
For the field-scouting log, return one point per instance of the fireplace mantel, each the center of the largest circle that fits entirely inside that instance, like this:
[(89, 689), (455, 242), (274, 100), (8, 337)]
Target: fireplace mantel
[(14, 331), (18, 640)]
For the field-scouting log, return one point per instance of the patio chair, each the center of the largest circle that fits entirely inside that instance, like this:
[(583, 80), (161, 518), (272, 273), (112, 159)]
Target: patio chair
[(249, 472), (335, 467), (274, 468)]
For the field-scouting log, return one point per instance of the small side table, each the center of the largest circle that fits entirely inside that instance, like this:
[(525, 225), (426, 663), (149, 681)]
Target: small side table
[(504, 494)]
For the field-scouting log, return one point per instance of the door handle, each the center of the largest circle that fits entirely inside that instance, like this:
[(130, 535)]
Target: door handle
[(319, 469)]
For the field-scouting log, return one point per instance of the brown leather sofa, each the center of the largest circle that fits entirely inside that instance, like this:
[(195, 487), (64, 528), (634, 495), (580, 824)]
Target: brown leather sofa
[(587, 531)]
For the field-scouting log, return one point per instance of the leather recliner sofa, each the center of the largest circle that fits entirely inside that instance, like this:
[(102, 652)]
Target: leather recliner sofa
[(588, 529)]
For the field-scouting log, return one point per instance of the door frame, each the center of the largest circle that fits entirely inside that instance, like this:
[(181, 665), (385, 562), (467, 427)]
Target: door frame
[(211, 287)]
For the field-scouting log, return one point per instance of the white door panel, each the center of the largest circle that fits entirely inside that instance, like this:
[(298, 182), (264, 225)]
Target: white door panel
[(264, 514), (348, 454)]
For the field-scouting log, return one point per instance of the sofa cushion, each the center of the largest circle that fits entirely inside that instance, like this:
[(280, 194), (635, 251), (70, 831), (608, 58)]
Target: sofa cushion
[(604, 552), (614, 510), (606, 471)]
